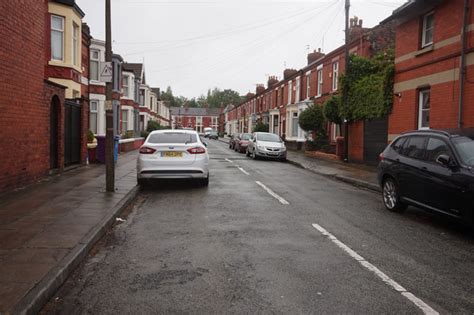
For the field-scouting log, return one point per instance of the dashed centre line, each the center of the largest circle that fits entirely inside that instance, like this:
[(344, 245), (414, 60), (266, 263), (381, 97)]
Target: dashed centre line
[(243, 171), (230, 161), (272, 193), (425, 308)]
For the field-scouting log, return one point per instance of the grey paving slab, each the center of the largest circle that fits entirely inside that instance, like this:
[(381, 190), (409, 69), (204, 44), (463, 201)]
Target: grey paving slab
[(48, 227)]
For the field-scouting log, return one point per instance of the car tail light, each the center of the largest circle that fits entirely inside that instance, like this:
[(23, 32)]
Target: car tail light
[(147, 150), (197, 150), (381, 157)]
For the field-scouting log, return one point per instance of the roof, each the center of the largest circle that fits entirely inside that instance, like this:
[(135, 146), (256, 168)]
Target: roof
[(453, 132), (136, 68), (412, 9), (71, 3), (156, 91), (195, 111)]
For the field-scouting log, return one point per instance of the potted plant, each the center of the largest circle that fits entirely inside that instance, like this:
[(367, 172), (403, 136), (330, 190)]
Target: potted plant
[(91, 147)]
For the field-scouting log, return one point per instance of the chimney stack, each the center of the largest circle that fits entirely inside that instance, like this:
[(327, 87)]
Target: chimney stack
[(288, 73), (356, 29), (260, 88), (315, 55), (272, 80)]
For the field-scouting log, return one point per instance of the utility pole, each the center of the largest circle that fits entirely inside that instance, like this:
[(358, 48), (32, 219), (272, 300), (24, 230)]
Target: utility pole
[(109, 114), (345, 99)]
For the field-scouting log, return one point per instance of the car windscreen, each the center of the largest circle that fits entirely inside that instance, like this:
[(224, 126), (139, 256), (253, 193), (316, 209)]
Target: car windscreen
[(246, 136), (172, 137), (270, 137), (465, 148)]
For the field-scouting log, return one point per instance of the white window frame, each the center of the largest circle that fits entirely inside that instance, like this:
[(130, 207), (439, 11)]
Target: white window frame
[(336, 131), (335, 75), (75, 44), (308, 85), (124, 121), (297, 90), (96, 112), (294, 124), (62, 37), (320, 81), (421, 98), (126, 85), (425, 30), (95, 60), (290, 90)]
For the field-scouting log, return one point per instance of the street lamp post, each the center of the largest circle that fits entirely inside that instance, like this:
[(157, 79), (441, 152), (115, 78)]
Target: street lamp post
[(109, 133), (345, 91)]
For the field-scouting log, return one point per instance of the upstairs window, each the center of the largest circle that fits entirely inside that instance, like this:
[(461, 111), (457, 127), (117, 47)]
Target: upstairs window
[(335, 75), (308, 86), (297, 90), (94, 65), (427, 30), (290, 89), (57, 37), (320, 82), (125, 85), (75, 44)]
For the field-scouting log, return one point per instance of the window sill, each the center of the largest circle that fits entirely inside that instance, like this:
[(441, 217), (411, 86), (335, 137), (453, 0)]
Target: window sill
[(424, 50)]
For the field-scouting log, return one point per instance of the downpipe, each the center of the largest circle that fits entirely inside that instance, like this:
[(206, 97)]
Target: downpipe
[(462, 72)]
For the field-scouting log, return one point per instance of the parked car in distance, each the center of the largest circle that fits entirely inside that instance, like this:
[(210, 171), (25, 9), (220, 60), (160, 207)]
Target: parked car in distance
[(266, 145), (233, 139), (430, 169), (207, 131), (173, 154), (242, 142), (213, 135)]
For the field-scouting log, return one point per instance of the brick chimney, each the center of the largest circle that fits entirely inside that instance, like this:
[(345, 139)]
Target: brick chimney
[(249, 95), (260, 88), (272, 80), (355, 27), (288, 73), (315, 55)]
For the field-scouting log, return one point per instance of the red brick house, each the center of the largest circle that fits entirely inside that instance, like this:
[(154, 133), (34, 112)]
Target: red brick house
[(32, 120), (432, 88), (196, 118)]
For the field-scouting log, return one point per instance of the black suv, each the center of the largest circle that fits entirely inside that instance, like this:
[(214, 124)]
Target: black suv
[(432, 169)]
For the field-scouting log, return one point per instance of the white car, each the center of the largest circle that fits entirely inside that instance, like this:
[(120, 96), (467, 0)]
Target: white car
[(266, 145), (173, 154)]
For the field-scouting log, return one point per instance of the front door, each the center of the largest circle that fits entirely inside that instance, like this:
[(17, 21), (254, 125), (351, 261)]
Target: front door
[(53, 135), (72, 133)]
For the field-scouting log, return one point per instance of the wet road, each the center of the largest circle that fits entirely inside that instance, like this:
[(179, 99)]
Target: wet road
[(268, 237)]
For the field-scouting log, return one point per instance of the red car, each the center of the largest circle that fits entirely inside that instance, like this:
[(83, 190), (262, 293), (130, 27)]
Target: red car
[(241, 143)]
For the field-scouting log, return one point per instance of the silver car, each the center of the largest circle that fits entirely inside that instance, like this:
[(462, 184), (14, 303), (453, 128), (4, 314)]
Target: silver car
[(173, 154), (269, 145)]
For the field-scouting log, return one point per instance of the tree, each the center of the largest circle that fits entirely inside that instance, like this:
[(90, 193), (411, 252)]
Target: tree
[(332, 110), (312, 119)]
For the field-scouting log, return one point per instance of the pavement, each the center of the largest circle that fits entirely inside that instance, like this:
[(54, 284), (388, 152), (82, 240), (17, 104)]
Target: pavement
[(356, 174), (47, 228)]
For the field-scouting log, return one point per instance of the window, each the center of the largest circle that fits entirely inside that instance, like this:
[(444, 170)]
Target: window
[(142, 97), (124, 121), (125, 86), (297, 90), (93, 116), (320, 82), (435, 148), (335, 75), (398, 144), (94, 65), (57, 37), (290, 89), (308, 86), (424, 109), (294, 125), (414, 147), (75, 44), (173, 137), (427, 31), (336, 131)]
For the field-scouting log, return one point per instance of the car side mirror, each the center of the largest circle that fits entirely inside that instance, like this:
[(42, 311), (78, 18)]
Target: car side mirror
[(445, 160), (205, 144)]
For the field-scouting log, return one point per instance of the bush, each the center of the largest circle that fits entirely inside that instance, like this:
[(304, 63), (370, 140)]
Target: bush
[(144, 134), (312, 119), (332, 110), (154, 125), (90, 136), (261, 127)]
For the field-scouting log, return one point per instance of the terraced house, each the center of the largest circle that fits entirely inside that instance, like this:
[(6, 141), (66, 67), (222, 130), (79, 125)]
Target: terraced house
[(281, 102), (434, 69)]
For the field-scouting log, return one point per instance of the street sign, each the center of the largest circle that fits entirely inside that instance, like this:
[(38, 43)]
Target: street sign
[(105, 72)]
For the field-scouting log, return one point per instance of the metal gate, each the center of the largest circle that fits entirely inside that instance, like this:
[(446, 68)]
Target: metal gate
[(375, 139), (72, 133)]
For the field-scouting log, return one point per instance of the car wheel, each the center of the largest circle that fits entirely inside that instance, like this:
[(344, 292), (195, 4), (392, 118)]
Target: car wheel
[(391, 196), (247, 153), (254, 155), (205, 181), (141, 182)]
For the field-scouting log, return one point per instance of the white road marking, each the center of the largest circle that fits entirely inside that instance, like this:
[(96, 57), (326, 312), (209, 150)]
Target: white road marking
[(386, 279), (273, 194), (229, 161), (243, 171)]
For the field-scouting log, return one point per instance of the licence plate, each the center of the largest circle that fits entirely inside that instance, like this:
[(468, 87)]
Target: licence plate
[(172, 154)]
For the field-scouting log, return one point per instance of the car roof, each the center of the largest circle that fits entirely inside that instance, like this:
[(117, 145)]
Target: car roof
[(174, 131), (455, 132)]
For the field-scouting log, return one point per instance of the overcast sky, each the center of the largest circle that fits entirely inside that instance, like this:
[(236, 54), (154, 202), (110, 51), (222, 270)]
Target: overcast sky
[(195, 45)]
